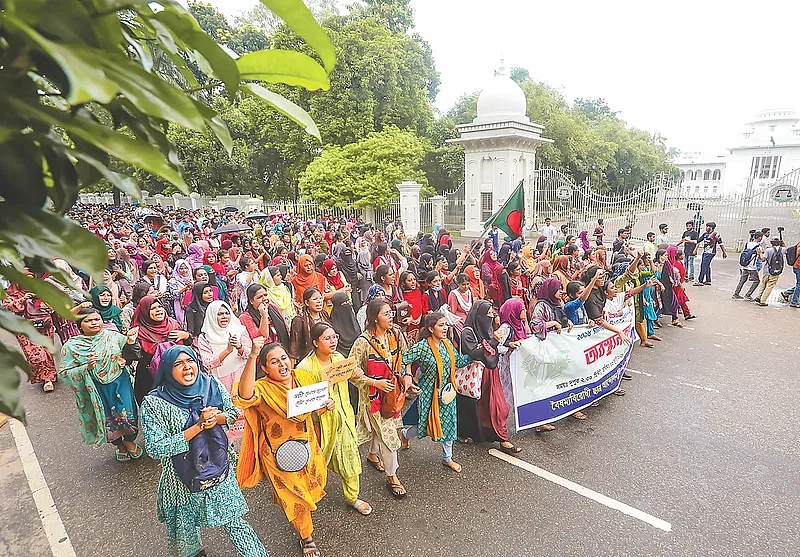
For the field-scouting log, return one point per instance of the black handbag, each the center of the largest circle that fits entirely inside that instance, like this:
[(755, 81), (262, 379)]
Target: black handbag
[(205, 464)]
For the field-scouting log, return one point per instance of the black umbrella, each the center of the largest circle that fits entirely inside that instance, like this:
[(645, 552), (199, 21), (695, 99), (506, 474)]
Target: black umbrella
[(154, 218), (257, 216), (233, 227), (230, 209)]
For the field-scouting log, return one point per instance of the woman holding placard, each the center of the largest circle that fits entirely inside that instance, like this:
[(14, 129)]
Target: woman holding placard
[(337, 428), (284, 449)]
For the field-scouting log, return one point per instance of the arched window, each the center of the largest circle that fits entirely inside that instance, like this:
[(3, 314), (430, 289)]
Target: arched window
[(696, 175), (716, 176), (707, 175)]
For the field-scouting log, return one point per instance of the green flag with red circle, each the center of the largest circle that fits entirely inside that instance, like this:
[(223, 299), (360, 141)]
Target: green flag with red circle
[(510, 216)]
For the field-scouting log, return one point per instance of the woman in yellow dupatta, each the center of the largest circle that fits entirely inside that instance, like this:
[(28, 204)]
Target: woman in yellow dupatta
[(338, 428), (267, 427)]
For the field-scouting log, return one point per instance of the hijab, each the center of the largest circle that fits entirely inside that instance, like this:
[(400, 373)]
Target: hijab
[(527, 257), (109, 313), (510, 313), (547, 295), (217, 267), (278, 293), (475, 283), (584, 240), (198, 305), (335, 280), (195, 255), (478, 320), (151, 333), (347, 265), (202, 393), (504, 256), (343, 320), (374, 291), (176, 273), (304, 280), (561, 263), (218, 336)]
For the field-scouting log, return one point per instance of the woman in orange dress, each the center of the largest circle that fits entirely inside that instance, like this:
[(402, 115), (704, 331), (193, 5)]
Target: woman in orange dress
[(267, 427)]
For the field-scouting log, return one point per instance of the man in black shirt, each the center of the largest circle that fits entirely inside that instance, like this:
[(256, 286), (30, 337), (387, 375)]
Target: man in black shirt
[(689, 241)]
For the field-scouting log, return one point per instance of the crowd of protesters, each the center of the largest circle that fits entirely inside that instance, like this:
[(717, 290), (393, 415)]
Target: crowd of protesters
[(194, 337)]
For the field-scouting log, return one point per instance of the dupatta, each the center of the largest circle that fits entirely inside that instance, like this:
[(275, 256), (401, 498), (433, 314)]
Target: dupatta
[(434, 425)]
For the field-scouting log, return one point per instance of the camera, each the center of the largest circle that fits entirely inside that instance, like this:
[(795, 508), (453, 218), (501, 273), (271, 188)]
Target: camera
[(781, 229)]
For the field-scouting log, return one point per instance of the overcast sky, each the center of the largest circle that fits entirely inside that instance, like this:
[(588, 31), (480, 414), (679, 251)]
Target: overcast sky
[(694, 70)]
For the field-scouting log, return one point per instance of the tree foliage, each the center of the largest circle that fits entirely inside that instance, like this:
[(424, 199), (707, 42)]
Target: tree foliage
[(367, 172), (84, 96)]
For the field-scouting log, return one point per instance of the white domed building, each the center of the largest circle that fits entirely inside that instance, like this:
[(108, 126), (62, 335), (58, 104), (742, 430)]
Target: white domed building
[(767, 149), (499, 151)]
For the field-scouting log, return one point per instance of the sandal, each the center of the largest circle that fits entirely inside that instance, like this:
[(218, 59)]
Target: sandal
[(138, 454), (676, 324), (122, 457), (397, 489), (595, 404), (512, 450), (545, 427), (452, 465), (309, 548), (405, 444), (620, 392), (464, 440), (377, 464), (362, 507), (48, 387), (202, 553), (579, 415)]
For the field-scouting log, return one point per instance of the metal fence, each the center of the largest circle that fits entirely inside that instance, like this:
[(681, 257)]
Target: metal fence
[(309, 209), (454, 208)]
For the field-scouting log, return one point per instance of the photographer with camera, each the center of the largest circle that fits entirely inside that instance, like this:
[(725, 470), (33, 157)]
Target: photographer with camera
[(773, 267)]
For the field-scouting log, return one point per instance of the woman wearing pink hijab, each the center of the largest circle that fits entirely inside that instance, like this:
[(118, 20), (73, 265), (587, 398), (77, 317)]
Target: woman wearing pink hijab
[(584, 236)]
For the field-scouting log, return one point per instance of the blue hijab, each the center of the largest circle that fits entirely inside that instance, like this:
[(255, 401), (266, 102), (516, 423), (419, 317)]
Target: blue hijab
[(203, 392)]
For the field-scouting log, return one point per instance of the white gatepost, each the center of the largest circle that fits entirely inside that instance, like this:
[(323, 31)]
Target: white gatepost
[(437, 203), (369, 217), (195, 200), (409, 207), (176, 200)]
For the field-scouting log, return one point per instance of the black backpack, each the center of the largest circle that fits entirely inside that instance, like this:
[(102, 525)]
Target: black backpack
[(775, 262), (746, 257), (791, 255)]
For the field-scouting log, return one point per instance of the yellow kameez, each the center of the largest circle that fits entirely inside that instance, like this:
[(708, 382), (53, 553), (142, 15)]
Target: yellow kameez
[(337, 429), (265, 414)]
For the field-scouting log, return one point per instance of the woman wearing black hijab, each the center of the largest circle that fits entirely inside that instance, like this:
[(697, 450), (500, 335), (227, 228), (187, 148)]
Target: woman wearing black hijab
[(343, 320), (504, 256), (202, 295), (347, 265), (484, 420), (425, 266)]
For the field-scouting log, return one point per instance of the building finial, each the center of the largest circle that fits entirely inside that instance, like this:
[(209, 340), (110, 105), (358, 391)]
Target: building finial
[(502, 69)]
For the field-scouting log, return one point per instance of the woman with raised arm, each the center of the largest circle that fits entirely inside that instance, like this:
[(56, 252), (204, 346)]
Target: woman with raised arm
[(296, 489)]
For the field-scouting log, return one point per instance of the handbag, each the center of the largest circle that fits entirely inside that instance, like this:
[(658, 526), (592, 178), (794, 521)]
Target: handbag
[(38, 316), (447, 394), (469, 379), (394, 400), (205, 464), (292, 455)]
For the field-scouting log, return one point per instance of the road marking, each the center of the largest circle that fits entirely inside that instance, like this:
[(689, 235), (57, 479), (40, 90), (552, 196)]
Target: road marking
[(584, 491), (639, 372), (54, 529), (692, 385)]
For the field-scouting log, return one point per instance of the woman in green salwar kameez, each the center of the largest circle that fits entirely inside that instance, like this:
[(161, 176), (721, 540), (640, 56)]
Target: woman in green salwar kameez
[(182, 393), (95, 365), (338, 438)]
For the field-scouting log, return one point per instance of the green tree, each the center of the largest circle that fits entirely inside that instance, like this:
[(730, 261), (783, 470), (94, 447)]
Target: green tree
[(367, 172), (519, 74), (81, 99)]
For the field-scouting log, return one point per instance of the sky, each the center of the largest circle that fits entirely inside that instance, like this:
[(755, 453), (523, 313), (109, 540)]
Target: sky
[(693, 70)]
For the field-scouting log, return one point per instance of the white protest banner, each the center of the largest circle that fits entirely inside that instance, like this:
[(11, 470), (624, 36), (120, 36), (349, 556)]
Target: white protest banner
[(566, 372), (302, 400)]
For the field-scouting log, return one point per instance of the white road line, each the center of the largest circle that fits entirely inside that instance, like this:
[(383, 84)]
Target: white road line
[(692, 385), (54, 529), (584, 491), (639, 372)]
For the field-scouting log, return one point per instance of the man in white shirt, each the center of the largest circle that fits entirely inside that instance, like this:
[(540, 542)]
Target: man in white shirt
[(549, 231), (661, 237), (749, 271)]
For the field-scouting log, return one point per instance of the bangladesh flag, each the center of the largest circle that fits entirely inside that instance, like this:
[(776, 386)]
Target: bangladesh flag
[(509, 217)]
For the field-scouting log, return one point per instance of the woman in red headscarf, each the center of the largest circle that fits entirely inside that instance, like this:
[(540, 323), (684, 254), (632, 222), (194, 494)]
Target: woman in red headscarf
[(307, 277), (155, 327)]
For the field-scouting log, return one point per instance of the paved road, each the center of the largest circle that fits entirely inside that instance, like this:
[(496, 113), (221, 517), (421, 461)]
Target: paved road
[(704, 440)]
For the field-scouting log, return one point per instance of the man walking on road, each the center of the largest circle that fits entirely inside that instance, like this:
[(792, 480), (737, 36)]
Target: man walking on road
[(794, 292), (689, 241), (749, 271), (773, 267), (709, 240)]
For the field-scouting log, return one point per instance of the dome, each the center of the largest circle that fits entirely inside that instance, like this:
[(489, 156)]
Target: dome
[(502, 100)]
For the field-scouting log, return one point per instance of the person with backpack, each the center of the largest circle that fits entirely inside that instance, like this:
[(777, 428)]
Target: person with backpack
[(773, 267), (709, 240), (793, 260), (748, 268)]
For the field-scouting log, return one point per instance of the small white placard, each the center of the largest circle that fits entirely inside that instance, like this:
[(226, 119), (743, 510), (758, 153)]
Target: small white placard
[(302, 400)]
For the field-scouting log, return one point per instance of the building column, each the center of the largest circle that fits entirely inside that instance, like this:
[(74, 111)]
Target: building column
[(409, 207), (438, 209)]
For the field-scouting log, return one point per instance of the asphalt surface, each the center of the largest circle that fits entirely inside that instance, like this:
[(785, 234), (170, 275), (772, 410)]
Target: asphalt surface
[(705, 440)]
